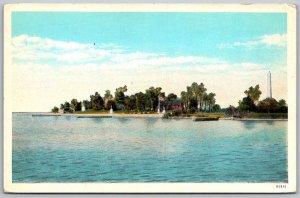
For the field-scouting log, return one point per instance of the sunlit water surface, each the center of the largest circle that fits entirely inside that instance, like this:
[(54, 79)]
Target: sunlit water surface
[(70, 149)]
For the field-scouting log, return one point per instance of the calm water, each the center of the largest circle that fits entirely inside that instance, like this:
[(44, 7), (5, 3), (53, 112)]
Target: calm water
[(70, 149)]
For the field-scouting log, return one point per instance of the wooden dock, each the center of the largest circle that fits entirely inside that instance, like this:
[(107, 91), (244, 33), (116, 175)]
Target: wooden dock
[(206, 119)]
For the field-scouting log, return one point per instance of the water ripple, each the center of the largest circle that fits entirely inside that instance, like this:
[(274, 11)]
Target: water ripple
[(64, 149)]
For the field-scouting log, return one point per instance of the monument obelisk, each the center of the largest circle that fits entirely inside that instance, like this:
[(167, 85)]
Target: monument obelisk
[(269, 85)]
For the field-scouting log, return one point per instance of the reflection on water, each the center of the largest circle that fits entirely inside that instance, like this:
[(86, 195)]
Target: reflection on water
[(95, 120), (70, 149), (122, 120), (249, 124), (270, 122), (67, 117)]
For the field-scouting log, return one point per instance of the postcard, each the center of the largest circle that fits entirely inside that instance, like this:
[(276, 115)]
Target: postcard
[(149, 98)]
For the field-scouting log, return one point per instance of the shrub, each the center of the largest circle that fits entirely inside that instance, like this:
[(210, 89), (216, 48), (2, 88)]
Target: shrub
[(55, 110)]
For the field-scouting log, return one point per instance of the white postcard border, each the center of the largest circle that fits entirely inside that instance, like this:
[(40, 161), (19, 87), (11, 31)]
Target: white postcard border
[(9, 186)]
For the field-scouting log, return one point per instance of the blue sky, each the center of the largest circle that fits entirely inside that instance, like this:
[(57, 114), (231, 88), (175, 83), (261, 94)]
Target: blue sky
[(239, 42), (172, 33)]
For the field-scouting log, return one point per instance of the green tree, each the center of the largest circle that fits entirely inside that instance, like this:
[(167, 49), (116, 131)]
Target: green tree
[(120, 96), (172, 96), (62, 107), (75, 105), (230, 111), (132, 102), (282, 103), (87, 104), (111, 104), (282, 106), (140, 99), (107, 97), (197, 93), (254, 93), (185, 99), (191, 94), (66, 107), (270, 105), (205, 102), (216, 108), (202, 93), (55, 110), (193, 91), (247, 104), (211, 100), (152, 95), (97, 101), (127, 102)]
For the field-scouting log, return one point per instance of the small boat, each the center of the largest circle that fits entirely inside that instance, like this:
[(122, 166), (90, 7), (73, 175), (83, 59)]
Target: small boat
[(206, 119)]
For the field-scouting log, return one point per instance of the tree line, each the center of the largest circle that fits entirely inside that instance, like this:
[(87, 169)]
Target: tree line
[(251, 103), (194, 99)]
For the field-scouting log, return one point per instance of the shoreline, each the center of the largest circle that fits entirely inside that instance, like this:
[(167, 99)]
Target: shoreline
[(91, 115), (99, 115), (255, 119)]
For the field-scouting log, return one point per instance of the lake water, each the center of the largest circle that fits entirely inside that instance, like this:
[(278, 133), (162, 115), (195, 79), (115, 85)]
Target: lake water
[(70, 149)]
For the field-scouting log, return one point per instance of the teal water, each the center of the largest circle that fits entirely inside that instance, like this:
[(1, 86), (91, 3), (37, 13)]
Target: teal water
[(70, 149)]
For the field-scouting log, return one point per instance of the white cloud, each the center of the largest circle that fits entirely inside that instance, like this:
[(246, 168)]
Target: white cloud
[(48, 72), (279, 40), (35, 49), (272, 40)]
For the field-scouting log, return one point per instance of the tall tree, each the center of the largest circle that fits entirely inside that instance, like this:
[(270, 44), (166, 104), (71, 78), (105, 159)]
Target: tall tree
[(127, 103), (152, 95), (185, 99), (211, 100), (140, 101), (75, 105), (97, 101), (132, 102), (62, 107), (120, 96), (202, 93), (205, 102), (197, 92), (107, 97), (194, 90), (254, 93)]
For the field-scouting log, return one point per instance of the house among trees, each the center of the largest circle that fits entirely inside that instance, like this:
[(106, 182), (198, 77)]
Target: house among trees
[(171, 105)]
